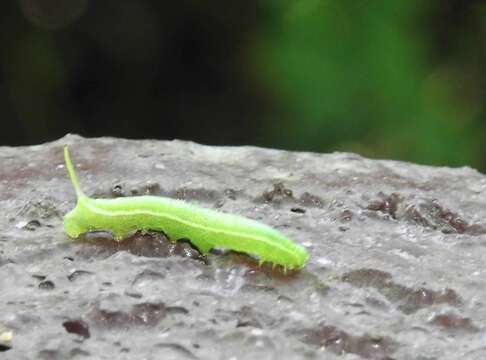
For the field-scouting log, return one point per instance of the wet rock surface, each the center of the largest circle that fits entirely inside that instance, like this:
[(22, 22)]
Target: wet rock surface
[(396, 271)]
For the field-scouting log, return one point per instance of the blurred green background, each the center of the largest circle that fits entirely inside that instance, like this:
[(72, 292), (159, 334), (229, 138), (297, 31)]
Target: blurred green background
[(402, 79)]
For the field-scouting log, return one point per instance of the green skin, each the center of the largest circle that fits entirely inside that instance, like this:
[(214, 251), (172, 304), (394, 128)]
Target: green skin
[(205, 228)]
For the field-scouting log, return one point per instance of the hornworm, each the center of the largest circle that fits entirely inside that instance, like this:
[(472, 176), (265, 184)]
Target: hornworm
[(205, 228)]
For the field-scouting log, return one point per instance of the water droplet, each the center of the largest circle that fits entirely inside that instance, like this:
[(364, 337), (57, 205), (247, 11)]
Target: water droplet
[(314, 298), (324, 261), (257, 332), (6, 336), (21, 224)]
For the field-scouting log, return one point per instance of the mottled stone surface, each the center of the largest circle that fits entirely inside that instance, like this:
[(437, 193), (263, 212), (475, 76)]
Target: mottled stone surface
[(397, 267)]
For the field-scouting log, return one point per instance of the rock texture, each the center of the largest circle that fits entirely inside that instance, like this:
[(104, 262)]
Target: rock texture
[(397, 263)]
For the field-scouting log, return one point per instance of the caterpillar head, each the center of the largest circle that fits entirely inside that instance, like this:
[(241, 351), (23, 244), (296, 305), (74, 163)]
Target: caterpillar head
[(72, 226)]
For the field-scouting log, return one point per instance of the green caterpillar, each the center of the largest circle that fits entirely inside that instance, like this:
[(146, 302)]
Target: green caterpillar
[(205, 228)]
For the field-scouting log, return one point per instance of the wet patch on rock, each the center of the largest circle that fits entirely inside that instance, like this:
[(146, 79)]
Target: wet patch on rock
[(150, 188), (345, 216), (338, 341), (46, 285), (31, 225), (454, 323), (253, 265), (309, 200), (141, 314), (120, 190), (76, 274), (409, 300), (78, 327), (148, 275), (246, 316), (148, 244), (428, 213), (387, 204), (280, 194), (180, 351), (199, 194), (40, 209)]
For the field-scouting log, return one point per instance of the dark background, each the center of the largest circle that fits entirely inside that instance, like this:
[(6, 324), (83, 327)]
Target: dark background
[(400, 79)]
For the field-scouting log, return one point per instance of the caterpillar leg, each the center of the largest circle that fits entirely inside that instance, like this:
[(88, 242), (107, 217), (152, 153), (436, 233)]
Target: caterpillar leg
[(202, 246), (119, 235)]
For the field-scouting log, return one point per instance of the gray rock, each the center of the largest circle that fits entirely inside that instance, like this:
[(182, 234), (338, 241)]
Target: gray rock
[(396, 271)]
